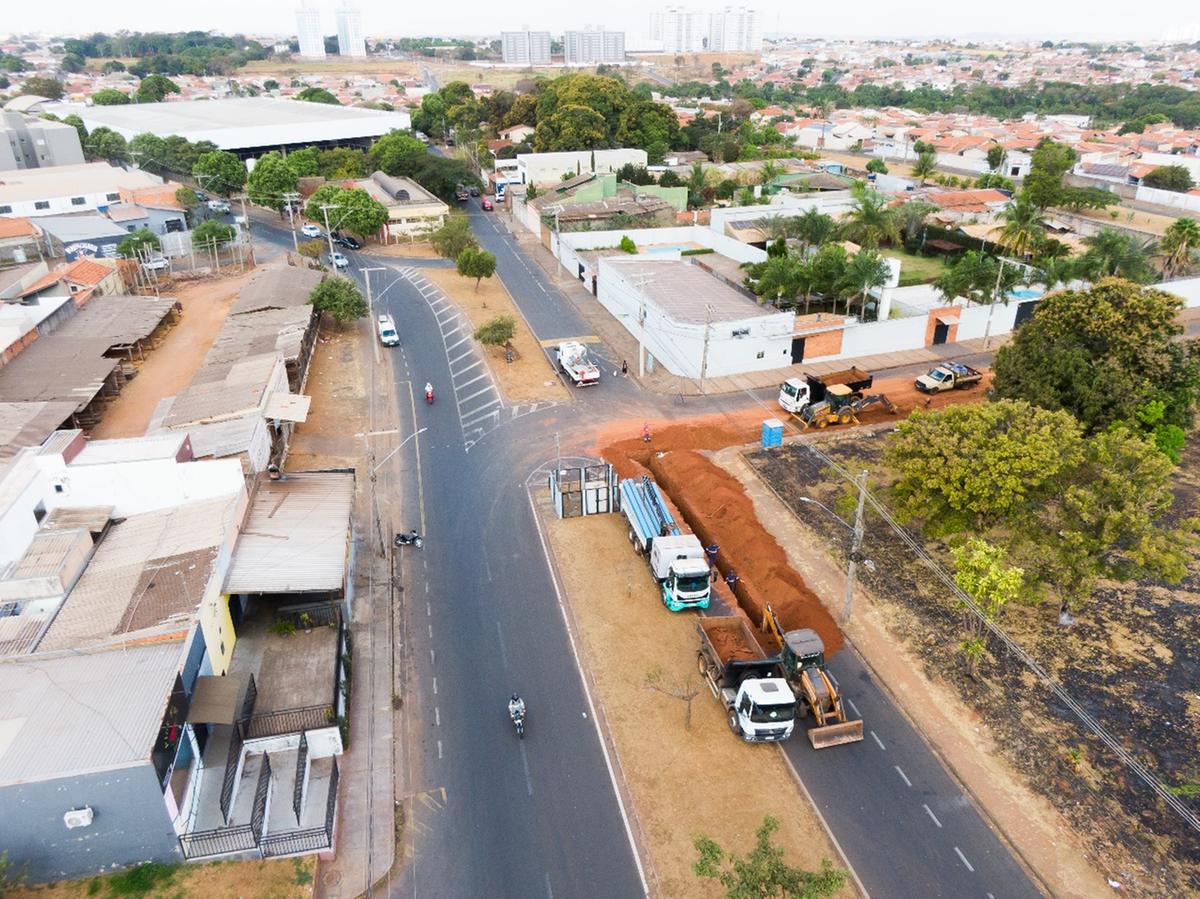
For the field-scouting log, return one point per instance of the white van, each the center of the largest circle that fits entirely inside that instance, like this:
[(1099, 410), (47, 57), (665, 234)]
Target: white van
[(388, 335)]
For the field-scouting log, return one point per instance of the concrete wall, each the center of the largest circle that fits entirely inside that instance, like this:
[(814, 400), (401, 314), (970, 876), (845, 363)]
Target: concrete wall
[(830, 202), (1169, 198), (548, 168), (131, 824)]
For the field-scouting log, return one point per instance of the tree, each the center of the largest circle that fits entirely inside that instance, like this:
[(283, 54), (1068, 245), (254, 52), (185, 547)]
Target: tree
[(1114, 253), (869, 222), (1180, 241), (978, 278), (995, 157), (109, 97), (271, 178), (154, 88), (397, 153), (972, 468), (270, 85), (104, 143), (37, 86), (652, 126), (341, 298), (356, 210), (138, 244), (775, 280), (311, 249), (911, 217), (211, 233), (112, 65), (763, 872), (877, 166), (827, 272), (813, 228), (72, 63), (305, 163), (865, 270), (317, 95), (450, 240), (342, 164), (1169, 177), (1024, 226), (685, 689), (924, 166), (570, 127), (475, 263), (608, 97), (999, 182), (1102, 354), (497, 332), (220, 171), (1049, 162), (186, 197), (980, 573)]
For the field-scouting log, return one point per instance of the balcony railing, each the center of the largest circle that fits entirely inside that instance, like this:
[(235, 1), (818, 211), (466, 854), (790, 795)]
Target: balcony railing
[(219, 841), (298, 784), (288, 721), (262, 795)]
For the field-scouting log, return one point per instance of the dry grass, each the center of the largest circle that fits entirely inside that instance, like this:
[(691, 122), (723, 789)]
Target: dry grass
[(290, 878)]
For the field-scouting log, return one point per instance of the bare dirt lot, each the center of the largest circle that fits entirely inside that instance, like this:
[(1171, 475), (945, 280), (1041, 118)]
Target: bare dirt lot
[(624, 633), (413, 249), (1130, 659), (337, 383), (529, 378), (169, 367), (290, 878)]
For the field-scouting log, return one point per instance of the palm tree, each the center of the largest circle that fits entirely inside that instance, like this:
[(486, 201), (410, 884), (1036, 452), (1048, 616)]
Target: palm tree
[(911, 217), (924, 167), (769, 172), (1179, 241), (1056, 270), (1112, 253), (865, 270), (813, 228), (869, 222), (1024, 227)]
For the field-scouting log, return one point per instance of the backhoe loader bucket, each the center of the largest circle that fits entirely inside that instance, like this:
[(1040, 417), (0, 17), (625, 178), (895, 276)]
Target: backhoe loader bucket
[(836, 734)]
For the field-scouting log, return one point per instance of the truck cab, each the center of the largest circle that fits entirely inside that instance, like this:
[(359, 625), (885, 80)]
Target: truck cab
[(793, 395), (765, 710), (679, 565)]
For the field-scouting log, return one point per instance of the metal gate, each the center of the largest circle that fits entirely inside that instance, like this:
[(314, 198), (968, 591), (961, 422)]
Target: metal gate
[(590, 490)]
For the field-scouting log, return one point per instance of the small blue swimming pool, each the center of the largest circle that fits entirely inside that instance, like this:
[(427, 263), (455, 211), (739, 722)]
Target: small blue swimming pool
[(671, 249), (1025, 293)]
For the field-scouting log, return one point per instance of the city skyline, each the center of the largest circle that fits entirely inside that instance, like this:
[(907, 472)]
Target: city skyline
[(1022, 20)]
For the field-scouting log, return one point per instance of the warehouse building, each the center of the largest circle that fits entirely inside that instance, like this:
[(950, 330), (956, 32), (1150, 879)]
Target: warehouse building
[(247, 126)]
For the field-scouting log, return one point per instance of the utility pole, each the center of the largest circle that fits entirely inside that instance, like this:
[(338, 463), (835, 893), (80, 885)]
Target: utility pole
[(289, 199), (704, 358), (987, 330), (328, 231), (855, 545), (246, 224)]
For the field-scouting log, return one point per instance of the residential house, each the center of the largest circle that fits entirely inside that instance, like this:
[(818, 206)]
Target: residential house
[(20, 240), (412, 210)]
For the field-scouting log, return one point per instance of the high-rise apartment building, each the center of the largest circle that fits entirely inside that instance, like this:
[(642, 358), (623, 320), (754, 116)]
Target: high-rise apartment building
[(350, 32), (530, 48), (680, 29), (308, 32), (593, 46), (735, 29)]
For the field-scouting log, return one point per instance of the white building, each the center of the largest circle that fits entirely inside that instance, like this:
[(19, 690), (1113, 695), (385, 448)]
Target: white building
[(681, 30), (593, 46), (735, 29), (308, 32), (527, 48), (548, 168), (350, 32), (68, 188)]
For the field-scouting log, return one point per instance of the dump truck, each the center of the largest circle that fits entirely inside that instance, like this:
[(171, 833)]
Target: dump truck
[(802, 661), (573, 360), (841, 405), (795, 395), (948, 376), (759, 704), (676, 557)]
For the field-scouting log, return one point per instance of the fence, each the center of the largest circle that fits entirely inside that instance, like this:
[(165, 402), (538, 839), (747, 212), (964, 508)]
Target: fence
[(590, 490), (288, 721), (234, 758), (219, 841), (311, 839), (262, 795), (298, 786)]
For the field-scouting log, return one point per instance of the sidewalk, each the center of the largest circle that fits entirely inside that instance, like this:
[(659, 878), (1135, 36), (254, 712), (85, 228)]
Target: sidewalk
[(624, 346)]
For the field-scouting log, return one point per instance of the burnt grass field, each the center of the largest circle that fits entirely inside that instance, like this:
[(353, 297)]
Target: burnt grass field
[(1131, 659)]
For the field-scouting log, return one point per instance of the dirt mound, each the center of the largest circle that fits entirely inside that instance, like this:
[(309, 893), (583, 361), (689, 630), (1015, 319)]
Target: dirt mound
[(718, 510), (730, 644)]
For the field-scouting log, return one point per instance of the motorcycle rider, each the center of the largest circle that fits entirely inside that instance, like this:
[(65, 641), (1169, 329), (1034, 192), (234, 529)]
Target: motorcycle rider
[(428, 390), (516, 707)]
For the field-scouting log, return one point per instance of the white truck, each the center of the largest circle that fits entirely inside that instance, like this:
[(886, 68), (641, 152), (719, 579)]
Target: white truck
[(759, 705), (677, 560), (388, 335), (573, 360)]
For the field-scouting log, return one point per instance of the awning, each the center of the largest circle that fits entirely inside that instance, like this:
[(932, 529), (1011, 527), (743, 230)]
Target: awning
[(287, 407), (947, 318), (215, 699)]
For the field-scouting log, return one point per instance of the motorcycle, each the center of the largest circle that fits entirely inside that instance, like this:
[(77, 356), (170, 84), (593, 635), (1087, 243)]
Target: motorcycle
[(429, 394), (518, 720), (412, 538)]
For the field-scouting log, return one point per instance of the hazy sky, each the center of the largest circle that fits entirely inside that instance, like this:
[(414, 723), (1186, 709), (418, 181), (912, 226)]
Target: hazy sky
[(1103, 19)]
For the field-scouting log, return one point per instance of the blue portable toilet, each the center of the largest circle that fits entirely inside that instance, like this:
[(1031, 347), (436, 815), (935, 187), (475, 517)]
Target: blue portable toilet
[(772, 433)]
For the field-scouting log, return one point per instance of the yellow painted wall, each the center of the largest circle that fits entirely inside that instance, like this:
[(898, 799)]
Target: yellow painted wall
[(217, 627)]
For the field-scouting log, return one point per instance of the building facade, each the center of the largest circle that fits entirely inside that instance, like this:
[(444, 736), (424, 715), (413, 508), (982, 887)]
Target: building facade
[(308, 33), (350, 32), (680, 29), (529, 48), (31, 143), (593, 46), (735, 29)]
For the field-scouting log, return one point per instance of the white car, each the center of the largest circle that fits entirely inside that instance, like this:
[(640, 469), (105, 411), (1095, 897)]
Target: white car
[(157, 264), (221, 207), (310, 230), (388, 335), (339, 261)]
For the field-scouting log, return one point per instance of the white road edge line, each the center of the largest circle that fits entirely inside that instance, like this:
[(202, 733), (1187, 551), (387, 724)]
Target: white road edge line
[(525, 762), (612, 776), (853, 707), (930, 813), (903, 776), (437, 716), (875, 737), (964, 859)]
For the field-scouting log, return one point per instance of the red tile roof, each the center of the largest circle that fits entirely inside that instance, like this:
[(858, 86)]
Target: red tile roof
[(16, 227)]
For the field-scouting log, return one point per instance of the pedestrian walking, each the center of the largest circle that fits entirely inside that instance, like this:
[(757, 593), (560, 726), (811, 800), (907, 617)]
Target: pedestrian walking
[(646, 433), (624, 369)]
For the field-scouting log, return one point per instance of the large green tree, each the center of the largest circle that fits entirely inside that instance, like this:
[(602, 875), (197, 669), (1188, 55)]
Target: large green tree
[(978, 278), (1113, 253), (450, 240), (271, 178), (220, 171), (1023, 227), (343, 163), (37, 86), (397, 153), (317, 95), (608, 97), (212, 234), (763, 872), (869, 222), (475, 263), (1050, 161), (1169, 177), (110, 97), (653, 127), (355, 209), (104, 143), (154, 88), (138, 244), (341, 298), (1103, 354), (570, 127), (305, 163)]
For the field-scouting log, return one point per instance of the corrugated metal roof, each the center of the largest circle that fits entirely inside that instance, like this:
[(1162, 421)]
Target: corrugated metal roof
[(276, 288), (28, 424), (239, 391), (296, 535), (254, 334), (130, 449), (63, 715)]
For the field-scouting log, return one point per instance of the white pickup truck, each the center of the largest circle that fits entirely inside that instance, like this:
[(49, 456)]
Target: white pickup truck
[(388, 335), (573, 360)]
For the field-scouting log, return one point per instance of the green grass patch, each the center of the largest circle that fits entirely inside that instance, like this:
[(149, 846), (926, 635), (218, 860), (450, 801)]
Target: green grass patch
[(303, 875), (915, 269), (142, 880)]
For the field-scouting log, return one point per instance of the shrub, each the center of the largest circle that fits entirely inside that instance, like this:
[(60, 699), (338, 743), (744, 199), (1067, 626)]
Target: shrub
[(627, 244), (497, 332)]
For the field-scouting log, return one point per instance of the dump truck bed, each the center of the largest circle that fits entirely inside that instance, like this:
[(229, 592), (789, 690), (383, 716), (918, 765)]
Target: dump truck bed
[(730, 639)]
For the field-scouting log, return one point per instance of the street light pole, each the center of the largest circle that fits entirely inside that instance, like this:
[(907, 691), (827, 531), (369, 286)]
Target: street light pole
[(396, 450), (855, 544), (325, 207)]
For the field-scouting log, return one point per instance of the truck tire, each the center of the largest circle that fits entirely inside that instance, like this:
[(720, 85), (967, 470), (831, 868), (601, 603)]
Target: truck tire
[(732, 720), (822, 422), (702, 664)]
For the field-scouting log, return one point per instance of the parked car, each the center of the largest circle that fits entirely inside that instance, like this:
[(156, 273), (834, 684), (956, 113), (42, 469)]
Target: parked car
[(485, 204), (388, 335), (345, 240), (337, 260), (423, 137), (474, 191), (221, 207), (201, 196), (157, 264), (310, 230)]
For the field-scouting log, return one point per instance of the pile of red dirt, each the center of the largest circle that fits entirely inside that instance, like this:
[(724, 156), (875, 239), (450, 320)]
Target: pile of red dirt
[(718, 511), (729, 644)]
